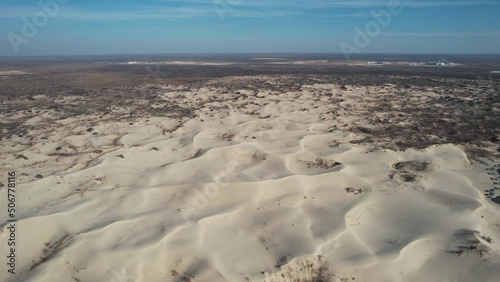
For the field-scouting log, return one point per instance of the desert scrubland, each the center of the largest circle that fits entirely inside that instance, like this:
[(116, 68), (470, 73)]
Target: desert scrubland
[(250, 173)]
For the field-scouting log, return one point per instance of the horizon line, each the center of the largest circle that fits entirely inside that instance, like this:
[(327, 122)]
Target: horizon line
[(238, 53)]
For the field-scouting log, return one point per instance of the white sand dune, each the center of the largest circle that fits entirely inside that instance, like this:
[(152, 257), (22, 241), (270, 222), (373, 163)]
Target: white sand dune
[(12, 72), (244, 198)]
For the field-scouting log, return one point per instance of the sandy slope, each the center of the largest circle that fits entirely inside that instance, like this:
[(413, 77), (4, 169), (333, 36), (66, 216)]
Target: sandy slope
[(277, 196)]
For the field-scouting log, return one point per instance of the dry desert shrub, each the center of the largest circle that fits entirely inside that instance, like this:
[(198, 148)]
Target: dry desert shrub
[(302, 269), (321, 163)]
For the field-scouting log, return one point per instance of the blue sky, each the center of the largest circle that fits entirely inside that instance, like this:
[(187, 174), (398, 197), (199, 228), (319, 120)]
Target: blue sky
[(85, 27)]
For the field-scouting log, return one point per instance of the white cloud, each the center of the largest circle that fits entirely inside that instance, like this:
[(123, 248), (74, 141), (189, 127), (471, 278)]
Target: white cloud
[(439, 34), (145, 12), (177, 9), (315, 4)]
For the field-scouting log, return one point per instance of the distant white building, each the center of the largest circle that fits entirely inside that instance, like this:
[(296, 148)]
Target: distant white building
[(442, 62)]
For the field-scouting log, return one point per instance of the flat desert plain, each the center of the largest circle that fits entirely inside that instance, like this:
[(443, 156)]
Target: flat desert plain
[(251, 174)]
